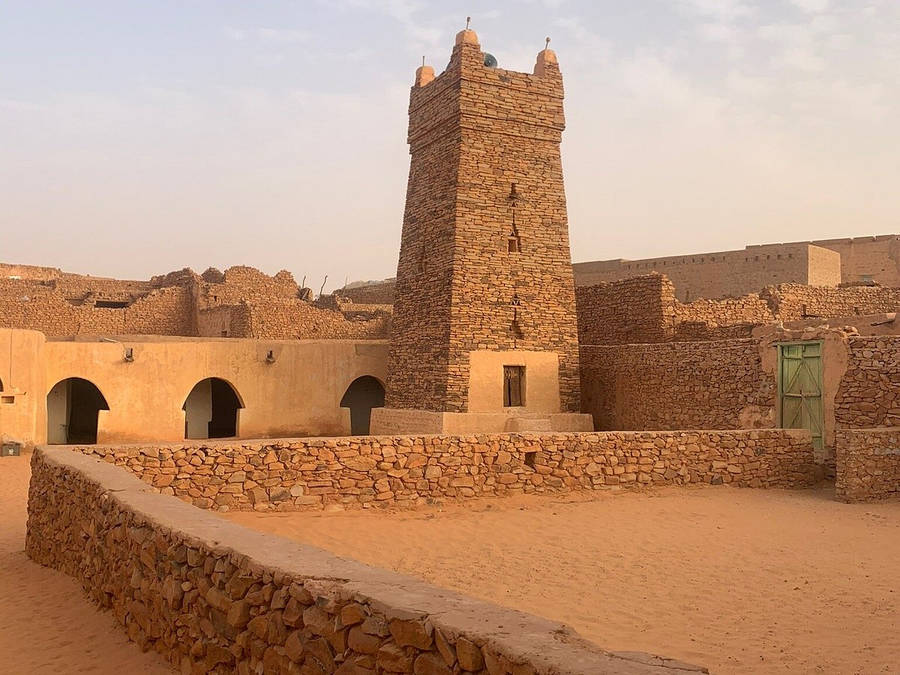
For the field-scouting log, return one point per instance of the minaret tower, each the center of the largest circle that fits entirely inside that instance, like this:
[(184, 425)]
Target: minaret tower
[(484, 332)]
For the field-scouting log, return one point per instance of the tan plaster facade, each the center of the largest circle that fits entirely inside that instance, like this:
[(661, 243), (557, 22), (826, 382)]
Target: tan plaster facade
[(298, 394)]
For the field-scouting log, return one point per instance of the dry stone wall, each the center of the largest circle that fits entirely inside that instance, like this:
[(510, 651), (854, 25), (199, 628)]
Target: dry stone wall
[(869, 392), (241, 302), (214, 597), (383, 471), (640, 309), (868, 464), (678, 385)]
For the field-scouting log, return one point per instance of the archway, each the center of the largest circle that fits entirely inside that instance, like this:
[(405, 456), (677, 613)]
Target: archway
[(210, 410), (363, 394), (73, 406)]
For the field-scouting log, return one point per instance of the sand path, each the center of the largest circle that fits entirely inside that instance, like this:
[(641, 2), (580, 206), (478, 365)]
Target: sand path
[(47, 624), (742, 581)]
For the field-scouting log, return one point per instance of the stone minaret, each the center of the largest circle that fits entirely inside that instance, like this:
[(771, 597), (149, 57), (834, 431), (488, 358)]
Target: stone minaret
[(484, 332)]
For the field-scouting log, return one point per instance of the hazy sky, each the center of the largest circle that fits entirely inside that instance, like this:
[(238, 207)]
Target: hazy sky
[(142, 137)]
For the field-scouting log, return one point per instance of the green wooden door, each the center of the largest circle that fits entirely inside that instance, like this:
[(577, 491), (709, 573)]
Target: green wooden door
[(800, 403)]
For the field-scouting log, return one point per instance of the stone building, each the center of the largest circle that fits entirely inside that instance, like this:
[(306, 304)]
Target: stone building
[(827, 262), (484, 333)]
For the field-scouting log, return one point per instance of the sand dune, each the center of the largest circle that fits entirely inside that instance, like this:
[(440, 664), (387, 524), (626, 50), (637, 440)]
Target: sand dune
[(742, 581)]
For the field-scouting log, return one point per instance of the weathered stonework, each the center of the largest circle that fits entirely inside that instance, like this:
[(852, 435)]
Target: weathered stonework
[(241, 302), (678, 385), (214, 597), (474, 133), (869, 392), (868, 464), (289, 474), (644, 309)]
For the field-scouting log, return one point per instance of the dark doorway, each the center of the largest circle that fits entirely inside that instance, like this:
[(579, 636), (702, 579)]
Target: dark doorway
[(363, 394), (211, 410), (513, 386), (73, 406)]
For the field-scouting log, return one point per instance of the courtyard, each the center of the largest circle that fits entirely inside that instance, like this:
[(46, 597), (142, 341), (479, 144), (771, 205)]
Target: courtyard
[(741, 581)]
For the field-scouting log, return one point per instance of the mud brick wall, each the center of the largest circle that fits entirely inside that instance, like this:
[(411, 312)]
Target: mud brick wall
[(680, 385), (639, 309), (869, 392), (868, 464), (473, 132), (290, 474), (214, 597)]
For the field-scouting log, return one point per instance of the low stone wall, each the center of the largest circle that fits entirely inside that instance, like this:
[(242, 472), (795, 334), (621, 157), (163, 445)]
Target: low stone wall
[(212, 596), (868, 464), (290, 474)]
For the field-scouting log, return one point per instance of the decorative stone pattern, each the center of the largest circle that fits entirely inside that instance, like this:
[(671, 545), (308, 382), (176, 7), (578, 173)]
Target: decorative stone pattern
[(289, 474), (475, 131), (214, 597), (868, 464), (869, 392), (678, 385)]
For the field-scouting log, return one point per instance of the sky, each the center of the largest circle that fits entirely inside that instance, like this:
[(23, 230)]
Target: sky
[(139, 137)]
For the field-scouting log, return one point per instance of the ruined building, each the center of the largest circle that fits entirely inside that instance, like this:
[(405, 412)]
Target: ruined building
[(484, 332)]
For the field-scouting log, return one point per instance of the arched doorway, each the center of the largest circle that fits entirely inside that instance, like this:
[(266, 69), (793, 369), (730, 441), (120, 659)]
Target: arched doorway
[(363, 394), (73, 406), (211, 410)]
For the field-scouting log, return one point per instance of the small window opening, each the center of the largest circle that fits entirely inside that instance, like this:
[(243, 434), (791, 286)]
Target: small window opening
[(111, 304), (8, 400), (529, 459), (513, 386), (513, 245)]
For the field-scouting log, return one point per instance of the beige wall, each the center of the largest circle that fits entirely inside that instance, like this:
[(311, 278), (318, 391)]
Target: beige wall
[(486, 380), (23, 395), (297, 395)]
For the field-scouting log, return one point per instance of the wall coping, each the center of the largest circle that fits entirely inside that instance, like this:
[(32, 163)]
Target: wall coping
[(550, 647), (400, 438)]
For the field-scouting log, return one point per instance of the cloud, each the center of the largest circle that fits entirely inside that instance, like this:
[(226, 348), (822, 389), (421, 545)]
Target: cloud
[(271, 36), (811, 6), (724, 10)]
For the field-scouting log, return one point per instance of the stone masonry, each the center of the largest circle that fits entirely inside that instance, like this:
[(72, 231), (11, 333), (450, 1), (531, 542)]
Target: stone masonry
[(868, 464), (214, 597), (381, 471), (484, 229)]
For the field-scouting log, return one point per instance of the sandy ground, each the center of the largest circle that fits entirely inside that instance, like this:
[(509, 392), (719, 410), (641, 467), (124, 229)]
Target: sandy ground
[(47, 624), (741, 581)]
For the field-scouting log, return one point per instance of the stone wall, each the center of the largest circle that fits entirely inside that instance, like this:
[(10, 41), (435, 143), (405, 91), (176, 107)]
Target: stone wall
[(644, 309), (241, 302), (212, 596), (639, 309), (796, 301), (734, 273), (380, 293), (725, 273), (289, 474), (679, 385), (27, 305), (869, 392), (868, 464)]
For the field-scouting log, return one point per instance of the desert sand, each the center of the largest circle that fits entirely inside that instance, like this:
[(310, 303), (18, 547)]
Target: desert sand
[(47, 624), (741, 581)]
